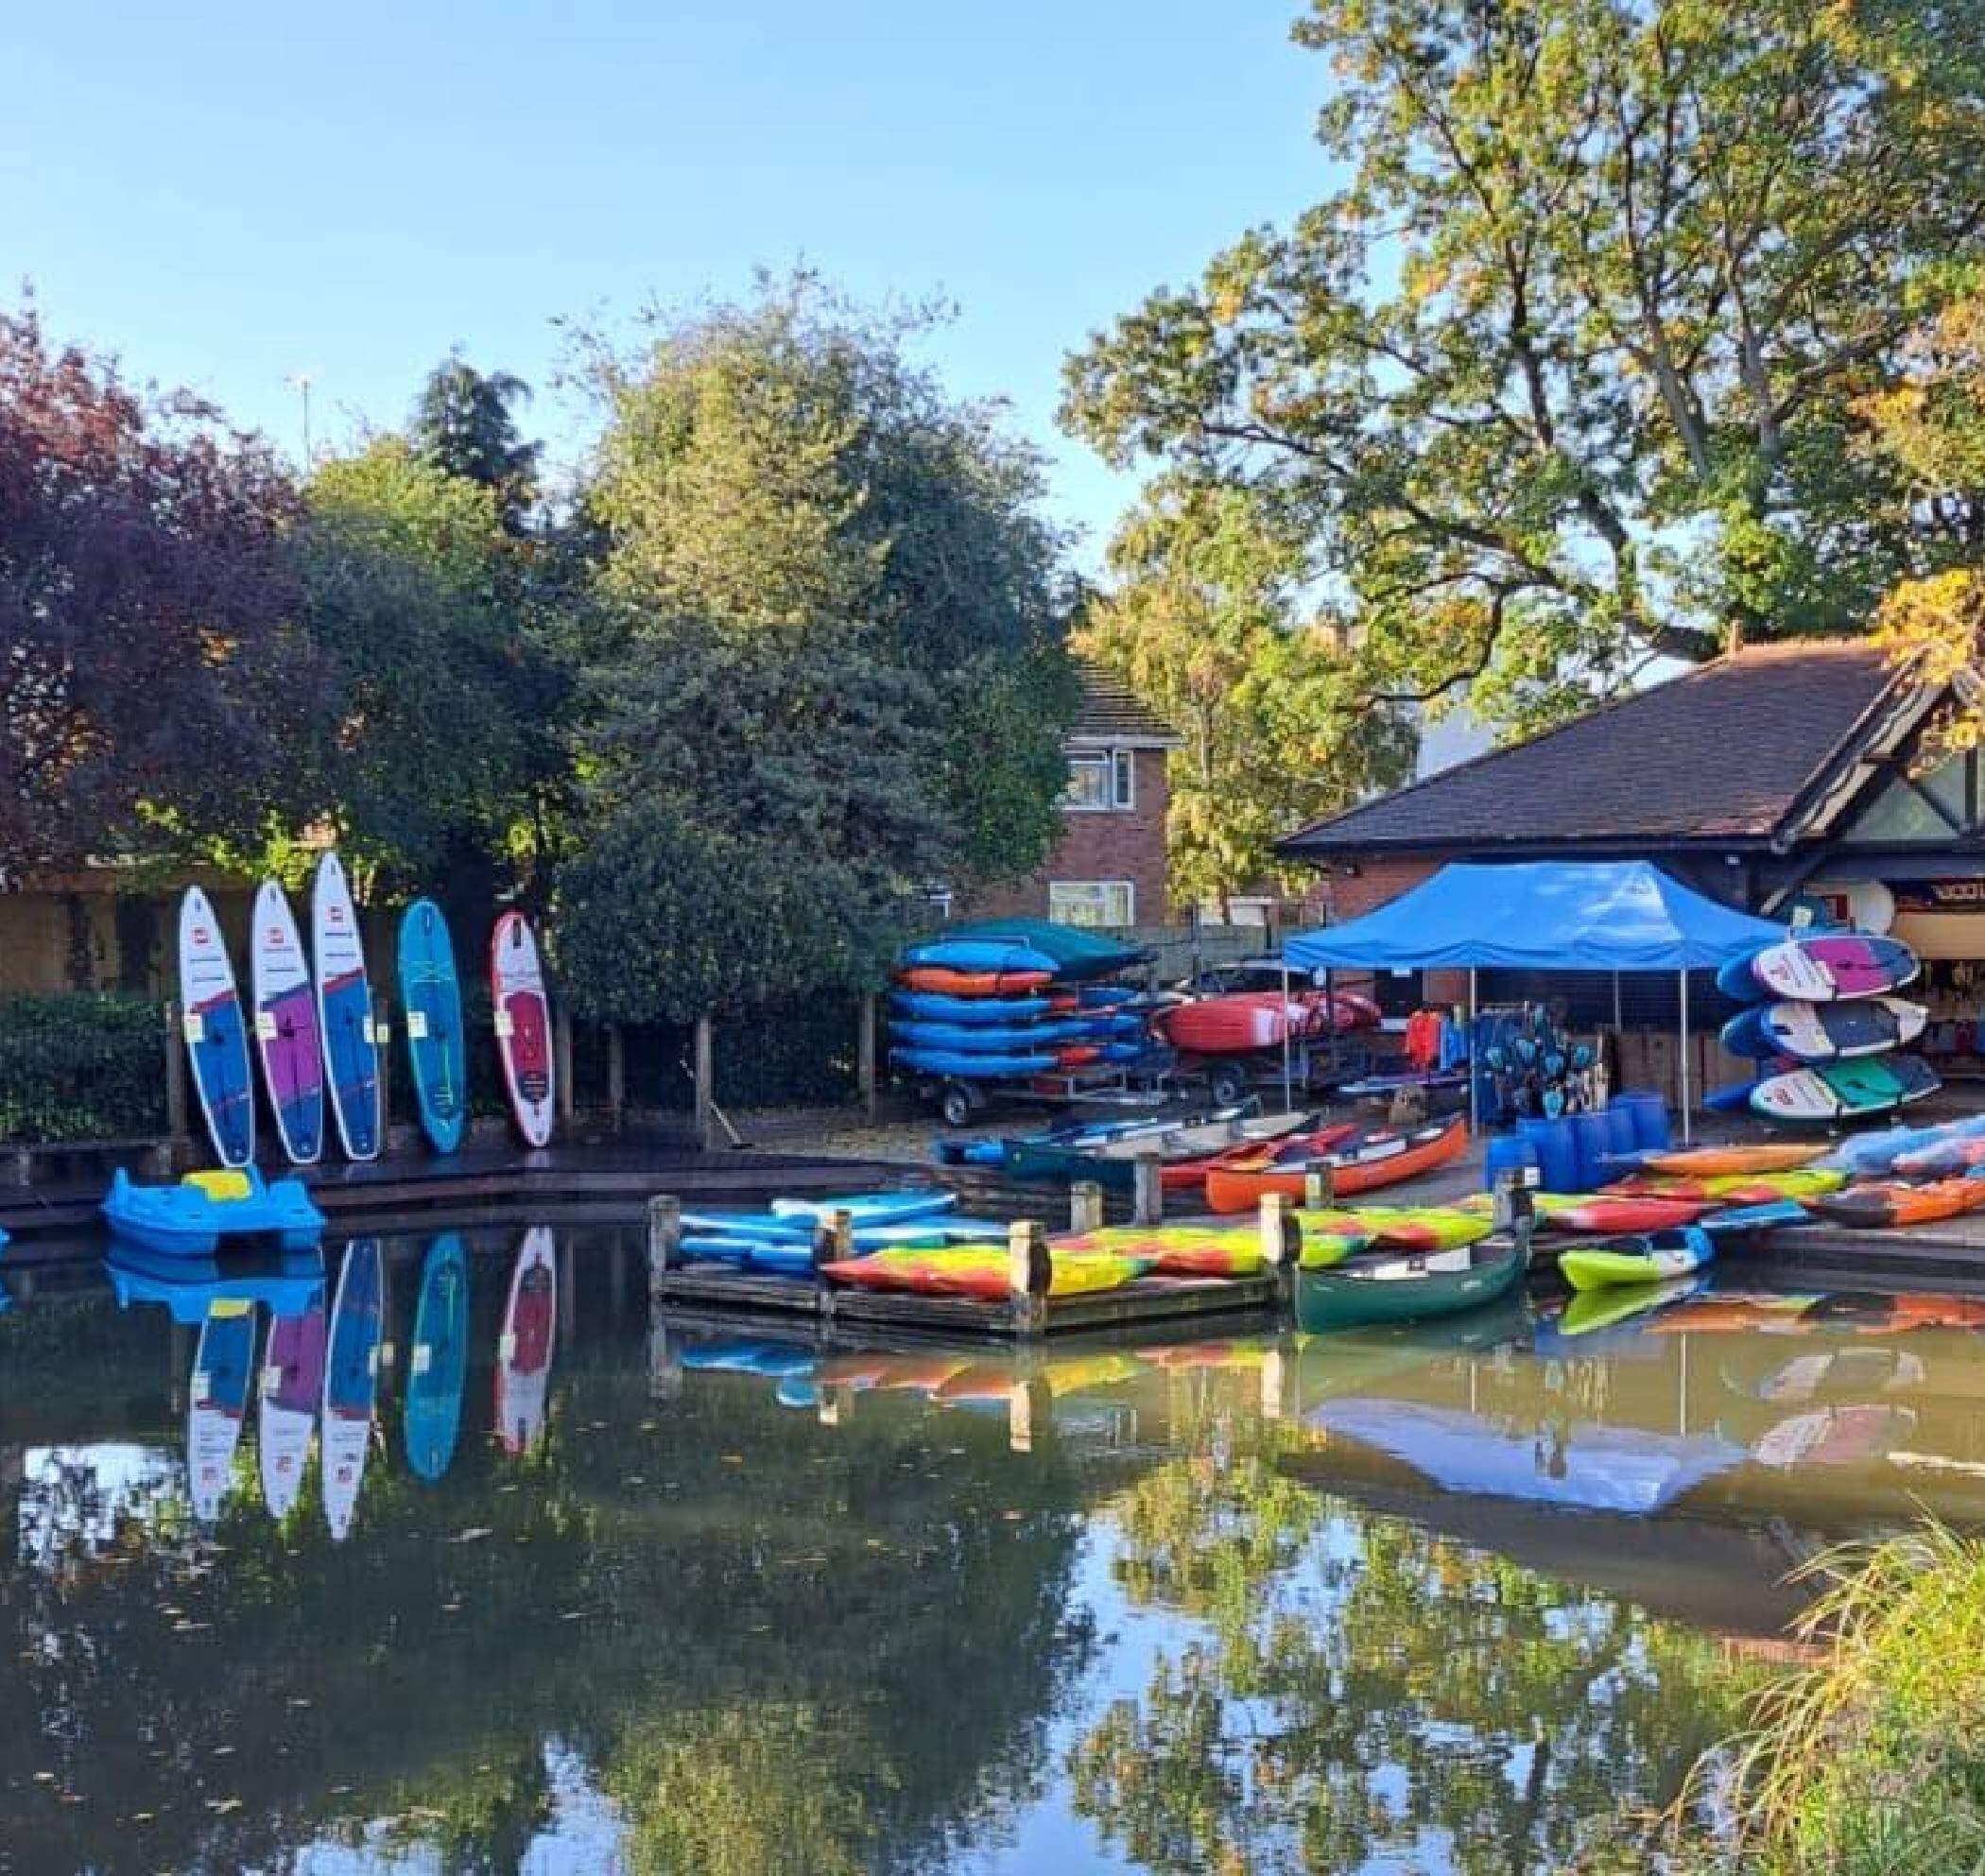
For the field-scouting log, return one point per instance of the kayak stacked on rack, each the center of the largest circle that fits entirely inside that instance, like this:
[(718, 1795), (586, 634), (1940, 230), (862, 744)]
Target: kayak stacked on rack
[(1000, 1003), (1823, 1018)]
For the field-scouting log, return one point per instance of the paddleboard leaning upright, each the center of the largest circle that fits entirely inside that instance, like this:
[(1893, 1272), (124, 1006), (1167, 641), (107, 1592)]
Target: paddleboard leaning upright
[(344, 1009), (287, 1035), (430, 993), (217, 1038), (523, 1025)]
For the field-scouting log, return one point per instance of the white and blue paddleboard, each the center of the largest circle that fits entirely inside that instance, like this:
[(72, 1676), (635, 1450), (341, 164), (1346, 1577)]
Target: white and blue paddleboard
[(1811, 1032), (217, 1033), (344, 1007)]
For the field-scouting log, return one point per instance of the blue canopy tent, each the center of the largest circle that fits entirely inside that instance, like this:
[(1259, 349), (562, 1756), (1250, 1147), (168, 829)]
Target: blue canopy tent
[(1544, 915)]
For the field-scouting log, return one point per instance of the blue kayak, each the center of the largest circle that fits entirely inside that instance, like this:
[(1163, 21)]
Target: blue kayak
[(870, 1208), (1022, 1039), (960, 1067), (192, 1217), (933, 1006), (1001, 955)]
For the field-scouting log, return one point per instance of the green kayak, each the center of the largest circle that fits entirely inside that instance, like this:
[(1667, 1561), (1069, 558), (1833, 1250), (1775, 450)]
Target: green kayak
[(1406, 1289)]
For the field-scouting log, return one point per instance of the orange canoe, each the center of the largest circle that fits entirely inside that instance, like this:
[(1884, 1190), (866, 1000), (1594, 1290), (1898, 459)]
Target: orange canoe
[(1190, 1175), (1366, 1164), (972, 983)]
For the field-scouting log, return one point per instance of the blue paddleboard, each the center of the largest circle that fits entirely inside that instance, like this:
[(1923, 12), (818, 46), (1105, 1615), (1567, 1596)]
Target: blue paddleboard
[(344, 1007), (430, 994), (216, 1032)]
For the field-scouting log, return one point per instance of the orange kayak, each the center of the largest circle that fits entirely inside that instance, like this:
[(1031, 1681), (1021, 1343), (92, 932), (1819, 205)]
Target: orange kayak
[(1755, 1156), (1365, 1165), (1895, 1202), (972, 983), (1190, 1175)]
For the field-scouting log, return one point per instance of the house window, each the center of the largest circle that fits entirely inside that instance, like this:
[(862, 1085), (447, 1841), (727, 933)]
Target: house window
[(1102, 779), (1092, 902)]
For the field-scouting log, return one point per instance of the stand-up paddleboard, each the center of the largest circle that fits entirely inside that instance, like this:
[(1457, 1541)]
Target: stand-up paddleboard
[(431, 1000), (344, 1010), (439, 1360), (292, 1385), (1842, 1089), (287, 1034), (1813, 1032), (524, 1353), (352, 1381), (218, 1401), (1820, 970), (216, 1039), (523, 1025)]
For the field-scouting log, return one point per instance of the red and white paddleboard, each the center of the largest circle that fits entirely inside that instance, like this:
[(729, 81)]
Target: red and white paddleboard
[(523, 1025)]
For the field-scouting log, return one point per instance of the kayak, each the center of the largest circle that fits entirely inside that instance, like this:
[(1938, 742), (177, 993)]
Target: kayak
[(957, 1066), (984, 1274), (1325, 1250), (1880, 1150), (1740, 1188), (1366, 1290), (987, 1038), (1114, 1163), (1941, 1160), (930, 1006), (1171, 1250), (1365, 1163), (1890, 1203), (1754, 1156), (1590, 1311), (1190, 1175), (1401, 1228), (942, 982), (1002, 957), (1607, 1216), (867, 1207), (1652, 1257)]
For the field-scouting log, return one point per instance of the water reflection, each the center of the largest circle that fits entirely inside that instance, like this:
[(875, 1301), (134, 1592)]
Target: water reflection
[(1441, 1599), (218, 1393)]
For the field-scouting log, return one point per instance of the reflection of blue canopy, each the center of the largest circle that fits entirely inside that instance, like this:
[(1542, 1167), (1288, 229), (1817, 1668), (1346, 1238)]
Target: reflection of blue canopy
[(1589, 1468), (1545, 914)]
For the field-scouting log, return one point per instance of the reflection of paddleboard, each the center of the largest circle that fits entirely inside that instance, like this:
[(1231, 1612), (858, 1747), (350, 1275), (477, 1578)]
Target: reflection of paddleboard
[(218, 1401), (1833, 1437), (292, 1382), (524, 1354), (523, 1025), (430, 996), (285, 1026), (344, 1008), (1838, 1090), (351, 1381), (217, 1039), (437, 1362), (1820, 970), (1825, 1031)]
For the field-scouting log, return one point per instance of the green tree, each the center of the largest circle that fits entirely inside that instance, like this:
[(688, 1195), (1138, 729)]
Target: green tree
[(1205, 623), (465, 424), (1565, 371), (836, 677)]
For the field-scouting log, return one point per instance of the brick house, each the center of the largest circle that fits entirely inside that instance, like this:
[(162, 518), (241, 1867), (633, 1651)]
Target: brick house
[(1111, 863)]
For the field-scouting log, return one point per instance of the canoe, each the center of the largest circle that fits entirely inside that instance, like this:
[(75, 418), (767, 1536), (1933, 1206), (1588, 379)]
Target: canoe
[(1739, 1155), (1401, 1227), (194, 1217), (1113, 1163), (972, 983), (1373, 1290), (1887, 1204), (979, 1274), (1190, 1175), (1365, 1165), (931, 1006), (1652, 1257)]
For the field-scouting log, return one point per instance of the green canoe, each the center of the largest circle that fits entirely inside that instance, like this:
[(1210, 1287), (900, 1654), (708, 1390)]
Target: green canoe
[(1406, 1289)]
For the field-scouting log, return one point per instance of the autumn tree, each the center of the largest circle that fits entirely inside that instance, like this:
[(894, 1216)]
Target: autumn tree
[(1209, 623), (1565, 373), (150, 679)]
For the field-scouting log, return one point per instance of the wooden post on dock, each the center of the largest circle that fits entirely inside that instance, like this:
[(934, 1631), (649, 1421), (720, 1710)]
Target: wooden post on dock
[(834, 1240), (562, 1052), (1029, 1274), (382, 1036), (865, 1083), (665, 1238), (1320, 1185), (1085, 1207), (616, 1074), (1280, 1245), (1147, 1190), (703, 1069), (175, 1077)]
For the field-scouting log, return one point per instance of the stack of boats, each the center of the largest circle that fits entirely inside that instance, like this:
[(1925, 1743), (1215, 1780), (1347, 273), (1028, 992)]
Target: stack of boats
[(1822, 1018), (998, 1003)]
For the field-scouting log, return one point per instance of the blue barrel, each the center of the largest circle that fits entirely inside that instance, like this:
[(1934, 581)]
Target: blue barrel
[(1555, 1149), (1504, 1152), (1650, 1114), (1619, 1131), (1592, 1141)]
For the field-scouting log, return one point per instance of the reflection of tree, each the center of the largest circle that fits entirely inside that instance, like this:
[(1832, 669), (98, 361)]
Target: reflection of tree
[(660, 1586), (1365, 1689)]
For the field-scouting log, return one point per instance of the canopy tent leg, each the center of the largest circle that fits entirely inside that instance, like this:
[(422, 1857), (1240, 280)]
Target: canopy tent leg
[(1688, 1103), (1475, 1106), (1617, 1024), (1289, 1078)]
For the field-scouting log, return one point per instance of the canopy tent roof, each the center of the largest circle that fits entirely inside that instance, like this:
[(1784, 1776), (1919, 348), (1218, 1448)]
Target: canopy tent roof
[(1544, 915)]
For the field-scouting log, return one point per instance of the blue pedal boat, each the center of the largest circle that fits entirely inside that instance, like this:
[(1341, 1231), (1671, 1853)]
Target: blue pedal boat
[(205, 1210)]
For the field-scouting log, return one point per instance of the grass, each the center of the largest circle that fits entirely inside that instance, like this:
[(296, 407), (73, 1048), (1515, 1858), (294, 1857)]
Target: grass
[(1872, 1762)]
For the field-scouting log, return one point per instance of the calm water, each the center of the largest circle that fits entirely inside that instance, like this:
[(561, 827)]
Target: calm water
[(573, 1594)]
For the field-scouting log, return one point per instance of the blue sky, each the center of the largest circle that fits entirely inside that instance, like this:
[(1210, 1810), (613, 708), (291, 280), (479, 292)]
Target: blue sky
[(229, 194)]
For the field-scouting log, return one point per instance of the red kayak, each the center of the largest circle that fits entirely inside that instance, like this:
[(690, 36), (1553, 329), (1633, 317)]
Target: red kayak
[(1364, 1165), (1604, 1215), (1190, 1175)]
